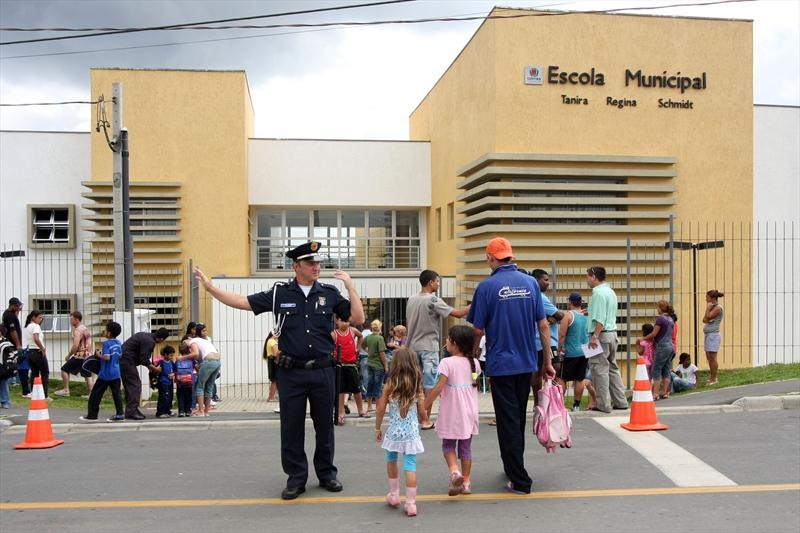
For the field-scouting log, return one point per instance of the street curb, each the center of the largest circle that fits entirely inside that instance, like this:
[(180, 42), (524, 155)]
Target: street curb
[(755, 403)]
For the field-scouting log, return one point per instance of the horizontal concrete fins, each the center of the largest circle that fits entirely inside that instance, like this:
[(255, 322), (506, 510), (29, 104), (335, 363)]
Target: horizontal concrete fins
[(139, 184), (484, 216), (485, 189), (158, 273), (587, 174), (584, 243), (492, 230), (488, 201), (572, 158), (566, 256), (567, 207)]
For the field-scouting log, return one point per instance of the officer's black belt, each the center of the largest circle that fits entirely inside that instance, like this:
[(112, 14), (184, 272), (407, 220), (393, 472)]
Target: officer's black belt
[(287, 361)]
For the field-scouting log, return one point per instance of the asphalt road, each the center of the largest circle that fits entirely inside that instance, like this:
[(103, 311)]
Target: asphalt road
[(229, 479)]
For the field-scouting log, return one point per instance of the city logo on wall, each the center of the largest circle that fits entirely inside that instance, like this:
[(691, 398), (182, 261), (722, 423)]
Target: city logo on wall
[(533, 75)]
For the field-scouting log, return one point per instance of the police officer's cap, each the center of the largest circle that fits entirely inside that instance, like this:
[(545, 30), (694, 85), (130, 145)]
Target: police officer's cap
[(308, 251)]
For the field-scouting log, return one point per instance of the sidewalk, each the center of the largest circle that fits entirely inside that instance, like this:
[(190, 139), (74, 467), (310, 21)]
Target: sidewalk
[(254, 410)]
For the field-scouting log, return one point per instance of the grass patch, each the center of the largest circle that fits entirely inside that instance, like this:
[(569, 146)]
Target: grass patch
[(75, 400), (733, 377), (745, 376)]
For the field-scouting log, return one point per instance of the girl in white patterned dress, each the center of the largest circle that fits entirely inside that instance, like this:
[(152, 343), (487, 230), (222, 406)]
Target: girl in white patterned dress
[(402, 393)]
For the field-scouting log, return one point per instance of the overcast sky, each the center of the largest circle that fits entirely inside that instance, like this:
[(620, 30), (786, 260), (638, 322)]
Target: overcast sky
[(353, 83)]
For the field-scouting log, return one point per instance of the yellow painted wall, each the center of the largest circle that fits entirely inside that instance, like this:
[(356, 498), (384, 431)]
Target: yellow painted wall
[(481, 104), (458, 117), (190, 127), (712, 141)]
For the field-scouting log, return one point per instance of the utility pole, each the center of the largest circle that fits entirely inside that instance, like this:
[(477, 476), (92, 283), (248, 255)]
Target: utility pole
[(119, 242), (123, 242)]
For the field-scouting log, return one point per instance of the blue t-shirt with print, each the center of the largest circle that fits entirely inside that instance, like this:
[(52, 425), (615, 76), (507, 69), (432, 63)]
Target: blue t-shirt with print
[(167, 368), (549, 310), (109, 370), (507, 306)]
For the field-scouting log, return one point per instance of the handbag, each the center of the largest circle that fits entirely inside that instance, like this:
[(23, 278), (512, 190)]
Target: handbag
[(91, 365), (551, 421)]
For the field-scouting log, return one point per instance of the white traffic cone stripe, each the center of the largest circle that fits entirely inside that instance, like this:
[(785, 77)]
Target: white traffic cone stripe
[(38, 393), (642, 396), (641, 373), (38, 414)]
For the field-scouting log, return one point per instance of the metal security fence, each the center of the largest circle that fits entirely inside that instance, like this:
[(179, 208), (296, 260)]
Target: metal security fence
[(756, 266)]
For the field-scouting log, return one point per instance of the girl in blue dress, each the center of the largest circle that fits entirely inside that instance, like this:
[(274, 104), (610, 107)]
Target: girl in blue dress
[(402, 394)]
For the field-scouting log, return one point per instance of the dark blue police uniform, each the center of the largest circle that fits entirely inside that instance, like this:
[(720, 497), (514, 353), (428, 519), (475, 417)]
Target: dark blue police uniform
[(305, 371)]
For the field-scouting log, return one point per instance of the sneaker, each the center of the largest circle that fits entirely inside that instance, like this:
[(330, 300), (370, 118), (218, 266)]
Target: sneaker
[(510, 488), (61, 392), (456, 481), (411, 509), (5, 405), (576, 408), (87, 419), (85, 396), (393, 499), (163, 415), (181, 415), (26, 395), (116, 418), (466, 488), (276, 410), (215, 399), (213, 403)]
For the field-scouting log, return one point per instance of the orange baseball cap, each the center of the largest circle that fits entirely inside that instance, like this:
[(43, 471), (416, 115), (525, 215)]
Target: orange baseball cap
[(499, 248)]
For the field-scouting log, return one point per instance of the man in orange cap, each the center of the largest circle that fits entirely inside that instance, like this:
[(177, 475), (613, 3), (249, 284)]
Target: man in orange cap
[(507, 308)]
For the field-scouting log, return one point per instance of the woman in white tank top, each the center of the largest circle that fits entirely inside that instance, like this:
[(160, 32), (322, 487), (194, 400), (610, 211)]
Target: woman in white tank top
[(205, 352)]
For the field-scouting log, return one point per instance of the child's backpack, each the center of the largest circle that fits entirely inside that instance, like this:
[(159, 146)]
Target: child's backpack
[(551, 422), (183, 373), (9, 359)]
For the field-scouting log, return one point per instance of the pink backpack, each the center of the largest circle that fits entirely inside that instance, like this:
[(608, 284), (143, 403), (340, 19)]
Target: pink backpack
[(551, 422)]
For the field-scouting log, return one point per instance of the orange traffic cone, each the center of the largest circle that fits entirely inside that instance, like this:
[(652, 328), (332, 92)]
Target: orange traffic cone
[(643, 408), (39, 433)]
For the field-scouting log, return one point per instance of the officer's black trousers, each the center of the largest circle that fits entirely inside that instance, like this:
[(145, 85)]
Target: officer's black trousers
[(295, 386)]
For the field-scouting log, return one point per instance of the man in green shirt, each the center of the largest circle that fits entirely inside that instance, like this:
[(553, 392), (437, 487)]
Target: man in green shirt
[(602, 325)]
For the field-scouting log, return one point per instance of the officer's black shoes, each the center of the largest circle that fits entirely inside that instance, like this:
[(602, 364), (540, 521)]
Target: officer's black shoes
[(331, 485), (290, 493)]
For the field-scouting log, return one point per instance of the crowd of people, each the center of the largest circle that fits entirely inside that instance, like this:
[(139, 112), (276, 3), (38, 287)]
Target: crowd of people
[(517, 339)]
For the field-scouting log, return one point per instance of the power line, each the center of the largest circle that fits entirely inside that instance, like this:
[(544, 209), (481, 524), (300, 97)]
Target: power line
[(203, 26), (51, 103), (186, 24), (333, 26), (157, 45)]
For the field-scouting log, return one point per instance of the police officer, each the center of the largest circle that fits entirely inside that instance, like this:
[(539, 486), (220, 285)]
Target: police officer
[(304, 310)]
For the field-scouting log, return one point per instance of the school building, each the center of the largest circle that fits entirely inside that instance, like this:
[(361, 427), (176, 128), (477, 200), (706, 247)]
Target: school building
[(583, 138)]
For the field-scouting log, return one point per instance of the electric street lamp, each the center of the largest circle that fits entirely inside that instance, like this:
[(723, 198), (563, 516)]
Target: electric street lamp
[(694, 246)]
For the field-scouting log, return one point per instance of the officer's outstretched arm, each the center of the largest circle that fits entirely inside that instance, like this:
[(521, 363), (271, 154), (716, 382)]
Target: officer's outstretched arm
[(230, 299), (356, 308)]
